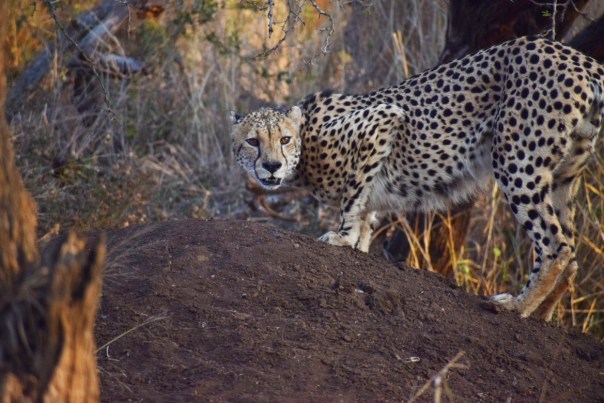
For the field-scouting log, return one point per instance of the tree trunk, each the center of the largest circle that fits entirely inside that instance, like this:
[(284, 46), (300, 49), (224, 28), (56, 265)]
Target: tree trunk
[(474, 25), (47, 305)]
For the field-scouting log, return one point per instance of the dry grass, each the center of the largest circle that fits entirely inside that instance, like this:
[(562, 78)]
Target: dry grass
[(439, 381), (166, 153)]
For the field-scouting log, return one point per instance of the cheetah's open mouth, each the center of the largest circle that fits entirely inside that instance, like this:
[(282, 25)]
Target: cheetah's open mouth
[(270, 182)]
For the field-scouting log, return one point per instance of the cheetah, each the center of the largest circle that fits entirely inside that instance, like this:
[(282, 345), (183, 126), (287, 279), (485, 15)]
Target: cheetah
[(526, 112)]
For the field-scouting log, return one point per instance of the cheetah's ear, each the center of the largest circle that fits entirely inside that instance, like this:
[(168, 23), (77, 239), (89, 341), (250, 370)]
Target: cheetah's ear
[(235, 118), (295, 114)]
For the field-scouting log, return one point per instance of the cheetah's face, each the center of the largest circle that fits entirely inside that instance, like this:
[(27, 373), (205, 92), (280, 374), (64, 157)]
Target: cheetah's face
[(267, 144)]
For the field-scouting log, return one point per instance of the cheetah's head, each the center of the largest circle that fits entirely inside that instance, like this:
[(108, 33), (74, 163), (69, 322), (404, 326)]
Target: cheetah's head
[(267, 144)]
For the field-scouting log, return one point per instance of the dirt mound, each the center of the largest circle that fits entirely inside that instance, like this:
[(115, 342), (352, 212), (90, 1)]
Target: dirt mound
[(237, 311)]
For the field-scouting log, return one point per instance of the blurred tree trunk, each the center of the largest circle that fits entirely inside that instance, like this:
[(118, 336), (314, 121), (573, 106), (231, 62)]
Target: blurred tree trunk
[(47, 305), (474, 25)]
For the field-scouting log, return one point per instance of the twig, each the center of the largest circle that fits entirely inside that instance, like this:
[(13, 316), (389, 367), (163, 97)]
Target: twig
[(293, 16), (150, 320), (51, 7), (289, 23), (271, 10), (555, 10), (438, 379)]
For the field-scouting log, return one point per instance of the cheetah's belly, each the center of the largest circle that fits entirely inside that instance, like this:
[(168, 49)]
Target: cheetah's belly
[(397, 193)]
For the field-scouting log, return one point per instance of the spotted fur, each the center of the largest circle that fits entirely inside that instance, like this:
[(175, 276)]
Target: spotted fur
[(526, 112)]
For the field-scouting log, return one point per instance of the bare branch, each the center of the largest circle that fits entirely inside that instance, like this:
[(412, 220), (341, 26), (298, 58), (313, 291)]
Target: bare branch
[(292, 17), (330, 30)]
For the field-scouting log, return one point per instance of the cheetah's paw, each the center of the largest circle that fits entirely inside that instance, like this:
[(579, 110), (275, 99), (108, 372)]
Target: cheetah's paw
[(334, 238), (505, 301)]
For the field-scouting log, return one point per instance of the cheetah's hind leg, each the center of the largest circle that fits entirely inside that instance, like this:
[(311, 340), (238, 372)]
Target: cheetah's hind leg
[(565, 281), (542, 209), (554, 249), (547, 282), (563, 195)]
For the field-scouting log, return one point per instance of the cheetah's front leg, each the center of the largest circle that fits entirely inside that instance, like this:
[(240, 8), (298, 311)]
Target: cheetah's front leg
[(368, 158), (356, 234), (352, 215)]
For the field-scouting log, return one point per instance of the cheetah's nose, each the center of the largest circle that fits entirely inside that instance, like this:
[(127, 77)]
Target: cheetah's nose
[(271, 166)]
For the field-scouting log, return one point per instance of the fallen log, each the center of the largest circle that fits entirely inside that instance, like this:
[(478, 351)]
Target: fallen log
[(82, 37)]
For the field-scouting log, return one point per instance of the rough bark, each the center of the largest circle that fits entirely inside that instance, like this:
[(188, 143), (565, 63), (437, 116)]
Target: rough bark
[(17, 209), (47, 305), (47, 347)]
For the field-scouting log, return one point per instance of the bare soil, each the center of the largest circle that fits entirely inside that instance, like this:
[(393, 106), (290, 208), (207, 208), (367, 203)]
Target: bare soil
[(240, 311)]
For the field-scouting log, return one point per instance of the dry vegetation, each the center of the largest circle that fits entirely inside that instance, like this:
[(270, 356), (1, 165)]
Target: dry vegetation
[(159, 147)]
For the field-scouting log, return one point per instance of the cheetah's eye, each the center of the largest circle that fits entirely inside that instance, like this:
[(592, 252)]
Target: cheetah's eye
[(285, 140), (253, 142)]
